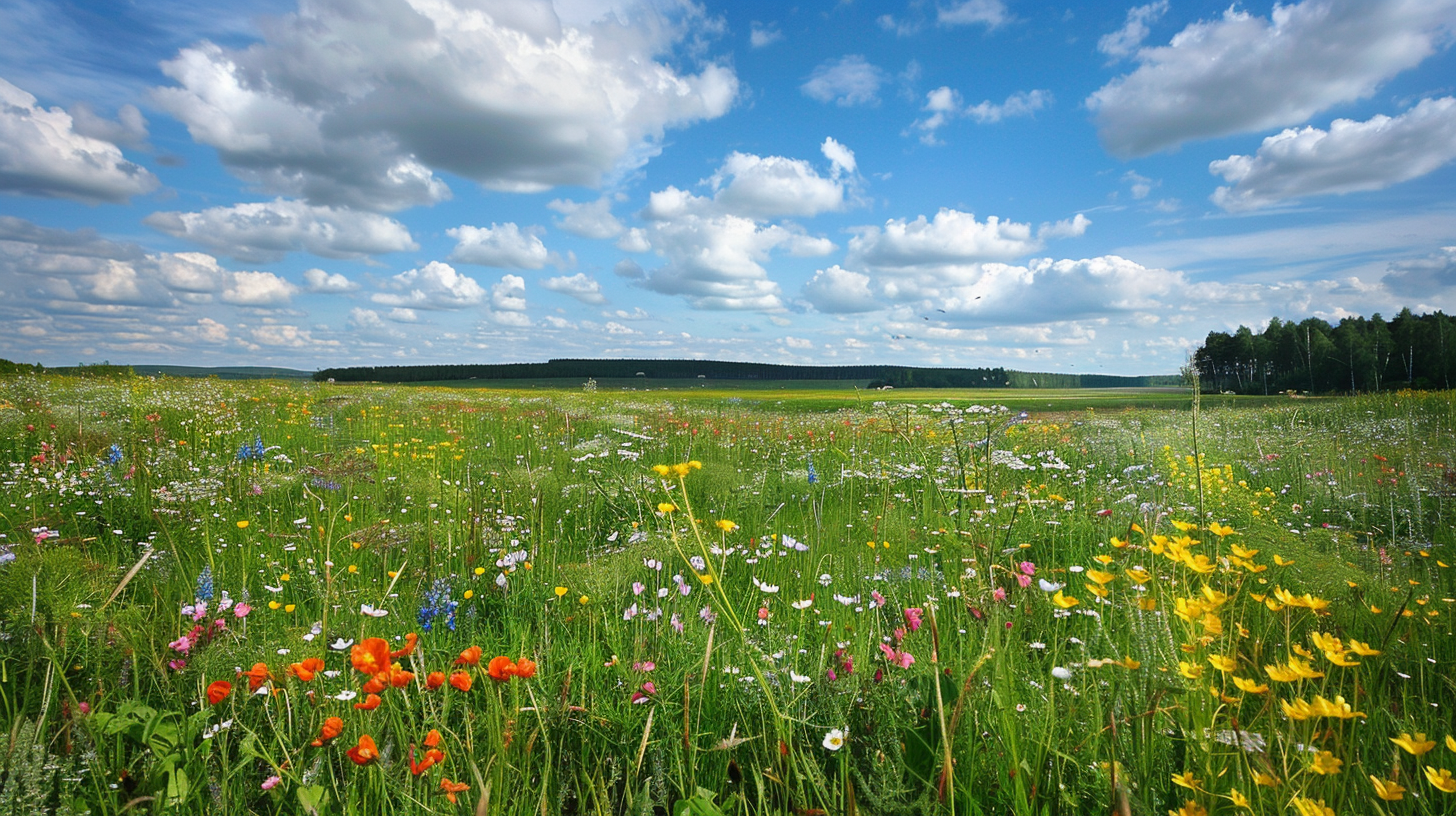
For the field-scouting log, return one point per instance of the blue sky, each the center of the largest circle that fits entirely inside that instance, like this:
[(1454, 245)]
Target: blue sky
[(1089, 188)]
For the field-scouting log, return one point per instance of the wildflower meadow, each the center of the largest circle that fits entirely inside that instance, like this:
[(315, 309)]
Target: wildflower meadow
[(306, 598)]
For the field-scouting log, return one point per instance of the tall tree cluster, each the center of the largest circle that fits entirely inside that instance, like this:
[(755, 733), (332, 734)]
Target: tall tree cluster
[(1357, 355)]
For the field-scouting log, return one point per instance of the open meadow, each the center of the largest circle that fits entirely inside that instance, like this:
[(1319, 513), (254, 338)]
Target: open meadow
[(229, 597)]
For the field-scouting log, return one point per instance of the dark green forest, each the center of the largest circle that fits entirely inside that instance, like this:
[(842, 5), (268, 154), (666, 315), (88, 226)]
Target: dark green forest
[(1357, 355)]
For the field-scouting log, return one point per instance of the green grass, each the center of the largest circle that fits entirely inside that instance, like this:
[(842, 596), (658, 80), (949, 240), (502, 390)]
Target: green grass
[(543, 507)]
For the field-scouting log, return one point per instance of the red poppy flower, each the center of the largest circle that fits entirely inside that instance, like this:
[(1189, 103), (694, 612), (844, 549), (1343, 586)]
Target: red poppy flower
[(333, 727), (400, 679), (306, 670), (501, 669), (469, 657), (257, 676), (410, 642), (434, 680), (432, 739), (217, 691), (452, 788), (365, 752), (371, 656), (525, 669), (376, 684), (460, 680), (370, 703)]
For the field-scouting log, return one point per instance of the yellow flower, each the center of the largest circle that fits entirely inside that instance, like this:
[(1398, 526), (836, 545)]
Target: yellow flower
[(1103, 578), (1280, 674), (726, 526), (274, 605), (288, 608), (1243, 553), (1326, 763), (1220, 530), (1223, 663), (1186, 780), (584, 600), (1390, 791), (1198, 563), (1450, 743), (1183, 526), (243, 525), (1096, 590), (661, 470), (1363, 649), (1147, 604), (1264, 780), (1340, 659), (705, 578), (1326, 642), (1280, 561), (1189, 670), (561, 591), (1415, 746), (1441, 778), (680, 469), (285, 577), (1303, 669), (479, 571), (1238, 799), (1139, 576), (353, 568), (469, 593), (1190, 808), (1309, 807), (1250, 686), (666, 507), (1064, 601)]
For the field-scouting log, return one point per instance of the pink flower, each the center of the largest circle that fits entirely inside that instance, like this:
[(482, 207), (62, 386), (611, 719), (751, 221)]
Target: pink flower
[(241, 610), (879, 600), (912, 617), (271, 782), (677, 622), (182, 644), (177, 665), (763, 616), (832, 676), (999, 594), (638, 587), (896, 657), (1024, 580), (644, 666), (1027, 568), (644, 695), (899, 634)]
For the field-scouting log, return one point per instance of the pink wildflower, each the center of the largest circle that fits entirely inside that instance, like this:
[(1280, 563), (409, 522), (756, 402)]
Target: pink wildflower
[(912, 617)]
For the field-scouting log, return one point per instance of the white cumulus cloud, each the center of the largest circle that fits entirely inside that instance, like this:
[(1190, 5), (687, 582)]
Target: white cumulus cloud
[(1126, 40), (258, 289), (580, 286), (42, 154), (990, 13), (1349, 157), (265, 231), (359, 103), (590, 220), (840, 291), (320, 282), (846, 81), (503, 245), (1243, 73), (435, 285)]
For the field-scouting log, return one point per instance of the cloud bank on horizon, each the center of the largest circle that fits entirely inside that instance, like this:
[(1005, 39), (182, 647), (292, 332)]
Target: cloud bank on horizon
[(984, 182)]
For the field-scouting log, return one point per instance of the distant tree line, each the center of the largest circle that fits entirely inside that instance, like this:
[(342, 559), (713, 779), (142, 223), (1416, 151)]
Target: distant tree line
[(875, 375), (9, 368), (1357, 355), (1042, 379)]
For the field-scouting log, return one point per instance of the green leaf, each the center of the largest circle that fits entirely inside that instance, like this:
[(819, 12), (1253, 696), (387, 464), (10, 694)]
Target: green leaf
[(312, 798)]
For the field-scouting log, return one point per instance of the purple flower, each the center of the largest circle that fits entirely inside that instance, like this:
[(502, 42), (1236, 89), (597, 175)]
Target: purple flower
[(271, 782), (1027, 568)]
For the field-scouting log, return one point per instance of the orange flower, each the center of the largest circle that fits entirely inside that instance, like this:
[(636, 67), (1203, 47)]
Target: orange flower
[(376, 684), (469, 657), (460, 680), (525, 669), (333, 727), (257, 676), (432, 739), (434, 680), (370, 656), (400, 679), (217, 691), (418, 768), (306, 670), (500, 669), (365, 752), (370, 703), (452, 788), (410, 642)]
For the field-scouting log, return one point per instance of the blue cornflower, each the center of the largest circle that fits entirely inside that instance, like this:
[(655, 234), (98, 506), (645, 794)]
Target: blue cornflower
[(437, 603), (204, 584), (813, 475), (114, 454)]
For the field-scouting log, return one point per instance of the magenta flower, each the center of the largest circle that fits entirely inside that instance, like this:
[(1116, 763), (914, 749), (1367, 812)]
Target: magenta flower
[(1024, 580), (1027, 568), (897, 657), (879, 600), (241, 610), (912, 617), (999, 594), (271, 782)]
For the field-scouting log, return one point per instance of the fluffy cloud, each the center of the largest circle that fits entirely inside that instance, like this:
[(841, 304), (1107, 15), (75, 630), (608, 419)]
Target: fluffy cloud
[(839, 291), (42, 154), (258, 289), (990, 13), (580, 286), (951, 238), (1349, 157), (433, 286), (845, 82), (358, 102), (944, 104), (332, 283), (715, 247), (265, 231), (284, 335), (762, 36), (1241, 73), (509, 295), (592, 220), (129, 129), (504, 245), (1122, 42), (1424, 277)]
